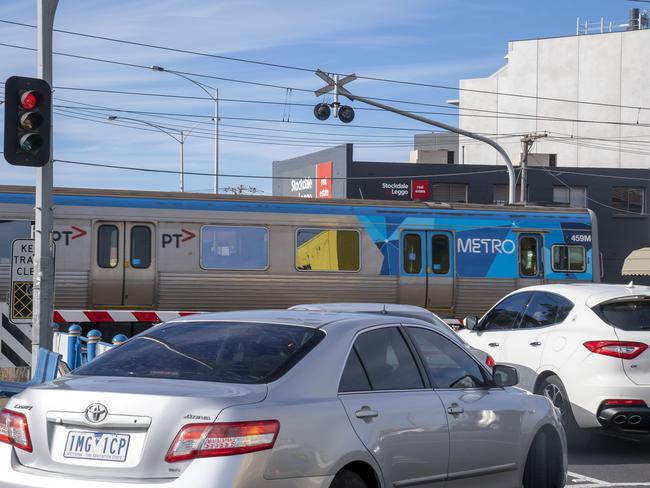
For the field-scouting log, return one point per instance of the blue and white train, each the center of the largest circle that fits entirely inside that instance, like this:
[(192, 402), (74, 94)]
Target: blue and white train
[(170, 251)]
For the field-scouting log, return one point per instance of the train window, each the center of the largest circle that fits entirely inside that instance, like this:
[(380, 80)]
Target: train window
[(327, 250), (140, 246), (528, 257), (569, 259), (234, 247), (440, 254), (107, 246), (412, 254), (9, 231)]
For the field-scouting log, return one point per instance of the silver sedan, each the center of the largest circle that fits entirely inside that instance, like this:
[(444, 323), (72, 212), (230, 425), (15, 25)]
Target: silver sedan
[(284, 399)]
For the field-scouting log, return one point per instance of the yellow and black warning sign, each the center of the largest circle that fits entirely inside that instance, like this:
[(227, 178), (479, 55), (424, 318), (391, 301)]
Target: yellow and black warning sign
[(21, 300), (22, 277)]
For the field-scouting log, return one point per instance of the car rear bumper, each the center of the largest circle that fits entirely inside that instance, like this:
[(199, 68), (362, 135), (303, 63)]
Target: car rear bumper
[(628, 420), (199, 473)]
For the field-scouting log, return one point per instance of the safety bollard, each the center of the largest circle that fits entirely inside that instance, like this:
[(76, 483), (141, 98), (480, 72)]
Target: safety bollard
[(94, 336), (119, 339), (74, 332)]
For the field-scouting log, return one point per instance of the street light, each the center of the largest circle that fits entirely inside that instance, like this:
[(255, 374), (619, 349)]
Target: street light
[(215, 98), (182, 136)]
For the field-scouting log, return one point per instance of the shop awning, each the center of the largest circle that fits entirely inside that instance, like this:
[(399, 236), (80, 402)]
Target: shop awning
[(637, 263)]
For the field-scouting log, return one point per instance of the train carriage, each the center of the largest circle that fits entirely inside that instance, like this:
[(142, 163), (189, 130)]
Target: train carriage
[(171, 251)]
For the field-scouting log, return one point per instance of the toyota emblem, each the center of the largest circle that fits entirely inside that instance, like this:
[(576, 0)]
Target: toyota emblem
[(96, 413)]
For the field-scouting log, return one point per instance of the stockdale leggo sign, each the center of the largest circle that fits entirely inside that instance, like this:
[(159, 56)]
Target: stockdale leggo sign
[(22, 277)]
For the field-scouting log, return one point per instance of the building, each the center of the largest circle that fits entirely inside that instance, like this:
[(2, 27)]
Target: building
[(618, 196), (588, 92)]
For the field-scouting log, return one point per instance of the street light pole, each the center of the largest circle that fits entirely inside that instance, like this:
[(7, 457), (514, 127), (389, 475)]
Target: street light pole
[(43, 286), (215, 99), (183, 135)]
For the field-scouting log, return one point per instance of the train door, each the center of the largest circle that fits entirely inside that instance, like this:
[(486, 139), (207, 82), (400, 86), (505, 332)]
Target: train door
[(530, 259), (123, 269), (427, 269)]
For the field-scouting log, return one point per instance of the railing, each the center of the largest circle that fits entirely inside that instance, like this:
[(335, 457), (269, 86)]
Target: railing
[(584, 27), (78, 349)]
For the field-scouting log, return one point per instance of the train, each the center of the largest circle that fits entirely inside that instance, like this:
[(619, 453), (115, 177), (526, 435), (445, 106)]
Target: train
[(146, 250)]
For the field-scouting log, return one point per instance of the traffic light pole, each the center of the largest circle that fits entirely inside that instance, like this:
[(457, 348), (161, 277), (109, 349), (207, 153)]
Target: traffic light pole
[(511, 170), (43, 289)]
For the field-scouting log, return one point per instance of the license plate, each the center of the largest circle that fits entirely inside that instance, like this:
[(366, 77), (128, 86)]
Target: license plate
[(99, 446)]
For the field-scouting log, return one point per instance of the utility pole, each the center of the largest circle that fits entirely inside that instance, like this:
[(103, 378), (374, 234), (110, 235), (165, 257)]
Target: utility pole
[(43, 288), (336, 85), (527, 144)]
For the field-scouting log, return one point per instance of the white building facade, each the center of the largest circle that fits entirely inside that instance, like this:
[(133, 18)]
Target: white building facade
[(590, 93)]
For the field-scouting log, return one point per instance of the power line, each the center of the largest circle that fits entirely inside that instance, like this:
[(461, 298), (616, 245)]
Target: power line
[(312, 70)]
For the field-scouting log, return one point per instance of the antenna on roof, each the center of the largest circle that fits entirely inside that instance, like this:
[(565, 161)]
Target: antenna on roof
[(383, 309), (630, 284)]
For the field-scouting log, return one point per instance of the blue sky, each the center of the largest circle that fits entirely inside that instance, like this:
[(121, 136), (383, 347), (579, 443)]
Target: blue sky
[(427, 41)]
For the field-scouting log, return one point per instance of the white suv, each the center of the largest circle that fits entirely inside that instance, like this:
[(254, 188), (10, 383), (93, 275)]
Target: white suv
[(582, 345)]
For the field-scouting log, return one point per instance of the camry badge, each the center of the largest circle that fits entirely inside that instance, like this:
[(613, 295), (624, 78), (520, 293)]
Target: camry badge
[(96, 413)]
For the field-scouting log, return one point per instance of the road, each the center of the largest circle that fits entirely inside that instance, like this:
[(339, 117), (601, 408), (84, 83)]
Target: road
[(610, 462)]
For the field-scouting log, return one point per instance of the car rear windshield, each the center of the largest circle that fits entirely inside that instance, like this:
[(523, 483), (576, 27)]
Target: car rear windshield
[(228, 352), (626, 315)]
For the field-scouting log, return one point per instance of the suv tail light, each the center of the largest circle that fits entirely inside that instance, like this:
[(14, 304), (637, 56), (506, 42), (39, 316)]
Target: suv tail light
[(14, 430), (222, 439), (617, 349)]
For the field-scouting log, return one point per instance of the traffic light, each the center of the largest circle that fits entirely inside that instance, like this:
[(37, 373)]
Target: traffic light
[(28, 121), (346, 114), (322, 111)]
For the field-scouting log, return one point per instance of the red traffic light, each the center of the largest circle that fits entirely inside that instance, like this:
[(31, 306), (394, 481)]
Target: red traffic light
[(29, 100)]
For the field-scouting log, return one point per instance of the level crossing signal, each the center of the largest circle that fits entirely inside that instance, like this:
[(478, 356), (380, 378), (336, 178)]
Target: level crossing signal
[(28, 121)]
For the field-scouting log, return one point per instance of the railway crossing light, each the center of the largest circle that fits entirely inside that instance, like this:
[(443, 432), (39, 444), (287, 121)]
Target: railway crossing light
[(28, 121), (346, 114), (322, 111)]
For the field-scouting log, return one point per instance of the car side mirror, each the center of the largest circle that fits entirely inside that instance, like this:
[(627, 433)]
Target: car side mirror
[(471, 322), (505, 375)]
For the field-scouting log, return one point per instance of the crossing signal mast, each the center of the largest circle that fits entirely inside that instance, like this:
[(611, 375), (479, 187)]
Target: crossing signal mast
[(336, 84), (28, 121)]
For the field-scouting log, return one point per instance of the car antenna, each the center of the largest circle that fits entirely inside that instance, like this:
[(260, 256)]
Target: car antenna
[(630, 284), (383, 309)]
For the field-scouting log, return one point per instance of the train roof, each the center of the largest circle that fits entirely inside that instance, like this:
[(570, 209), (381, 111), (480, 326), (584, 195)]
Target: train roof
[(88, 192)]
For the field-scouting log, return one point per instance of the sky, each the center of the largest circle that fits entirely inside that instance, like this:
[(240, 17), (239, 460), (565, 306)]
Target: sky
[(435, 42)]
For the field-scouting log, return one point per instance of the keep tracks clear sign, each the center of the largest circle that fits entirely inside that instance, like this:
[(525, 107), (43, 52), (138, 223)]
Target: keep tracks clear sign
[(22, 279)]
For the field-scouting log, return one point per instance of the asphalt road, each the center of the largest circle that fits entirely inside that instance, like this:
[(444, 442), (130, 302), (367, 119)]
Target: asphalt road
[(610, 462)]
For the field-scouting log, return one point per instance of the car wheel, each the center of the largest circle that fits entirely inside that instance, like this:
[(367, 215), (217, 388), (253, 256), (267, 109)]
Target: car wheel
[(348, 479), (553, 389), (540, 472)]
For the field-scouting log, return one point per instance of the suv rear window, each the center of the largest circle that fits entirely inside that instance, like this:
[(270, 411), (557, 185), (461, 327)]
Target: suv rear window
[(626, 315), (226, 352)]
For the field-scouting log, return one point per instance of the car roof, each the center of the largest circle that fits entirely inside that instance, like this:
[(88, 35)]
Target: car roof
[(392, 309), (592, 294), (305, 318)]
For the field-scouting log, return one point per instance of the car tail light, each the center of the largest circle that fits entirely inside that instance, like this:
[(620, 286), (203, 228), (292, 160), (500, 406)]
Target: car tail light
[(617, 349), (222, 439), (489, 361), (14, 430), (623, 403)]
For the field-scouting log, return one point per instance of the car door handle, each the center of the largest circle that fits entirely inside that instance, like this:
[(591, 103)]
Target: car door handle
[(455, 409), (493, 344), (366, 413), (536, 344)]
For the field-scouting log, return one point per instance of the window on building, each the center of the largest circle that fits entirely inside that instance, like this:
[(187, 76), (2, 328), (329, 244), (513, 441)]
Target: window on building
[(11, 230), (500, 196), (233, 247), (573, 196), (450, 157), (107, 246), (327, 250), (569, 259), (449, 192), (140, 246), (628, 200), (412, 254)]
